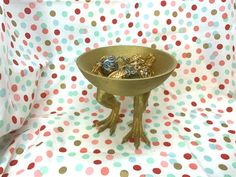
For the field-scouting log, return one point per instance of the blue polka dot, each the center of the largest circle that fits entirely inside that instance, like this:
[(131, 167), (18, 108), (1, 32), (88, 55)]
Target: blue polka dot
[(209, 170), (2, 92)]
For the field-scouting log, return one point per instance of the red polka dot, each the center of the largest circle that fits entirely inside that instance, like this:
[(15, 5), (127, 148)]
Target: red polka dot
[(219, 46), (43, 95), (96, 151), (156, 170), (73, 78), (130, 24), (227, 27), (164, 37), (31, 165), (56, 32), (193, 103), (187, 156), (209, 122), (136, 5), (102, 18), (1, 170), (224, 156), (137, 167), (140, 33), (84, 92), (213, 140), (3, 27), (194, 7), (196, 79), (87, 40), (13, 162), (9, 14), (26, 98), (114, 21), (62, 149), (209, 66), (27, 35), (229, 109), (27, 10), (104, 171), (163, 3), (6, 1), (97, 162), (167, 144), (168, 21), (31, 69), (54, 75), (178, 43), (187, 129), (5, 175), (221, 86), (77, 11), (185, 175)]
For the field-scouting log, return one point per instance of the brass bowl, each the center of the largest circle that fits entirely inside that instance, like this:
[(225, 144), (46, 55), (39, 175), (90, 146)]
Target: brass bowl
[(162, 68)]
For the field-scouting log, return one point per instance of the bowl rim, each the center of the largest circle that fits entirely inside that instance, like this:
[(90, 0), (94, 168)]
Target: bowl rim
[(134, 79)]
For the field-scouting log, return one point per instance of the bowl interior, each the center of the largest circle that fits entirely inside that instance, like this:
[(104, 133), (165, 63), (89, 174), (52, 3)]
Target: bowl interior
[(164, 63)]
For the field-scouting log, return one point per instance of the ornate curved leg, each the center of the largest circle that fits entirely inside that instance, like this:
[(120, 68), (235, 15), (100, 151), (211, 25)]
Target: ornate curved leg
[(109, 101), (137, 132)]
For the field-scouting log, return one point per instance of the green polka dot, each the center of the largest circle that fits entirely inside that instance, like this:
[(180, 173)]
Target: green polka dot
[(44, 170), (85, 156), (117, 164), (79, 167), (181, 144), (150, 160)]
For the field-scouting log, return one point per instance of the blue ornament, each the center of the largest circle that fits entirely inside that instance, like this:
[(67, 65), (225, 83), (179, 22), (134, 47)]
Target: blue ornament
[(109, 65)]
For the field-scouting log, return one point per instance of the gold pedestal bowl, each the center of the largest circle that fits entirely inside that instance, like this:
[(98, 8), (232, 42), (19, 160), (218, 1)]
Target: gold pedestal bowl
[(140, 88)]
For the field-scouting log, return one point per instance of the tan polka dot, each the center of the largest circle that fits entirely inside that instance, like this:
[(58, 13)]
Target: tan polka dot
[(224, 125), (94, 23), (124, 173), (77, 142), (174, 14), (1, 11), (228, 57), (88, 1), (62, 170), (52, 13), (60, 129), (39, 144), (153, 131), (208, 109), (76, 42), (13, 38), (223, 167), (189, 55), (76, 113), (177, 166), (49, 102), (52, 66), (19, 151), (173, 28), (197, 135), (217, 36), (128, 15), (174, 74), (214, 12), (227, 139), (205, 46), (13, 22), (182, 114), (156, 12), (216, 73), (154, 46), (47, 42), (63, 86), (111, 151), (118, 39), (18, 53)]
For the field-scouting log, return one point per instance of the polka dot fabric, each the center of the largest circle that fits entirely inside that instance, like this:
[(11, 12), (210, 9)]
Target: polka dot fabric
[(49, 107)]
